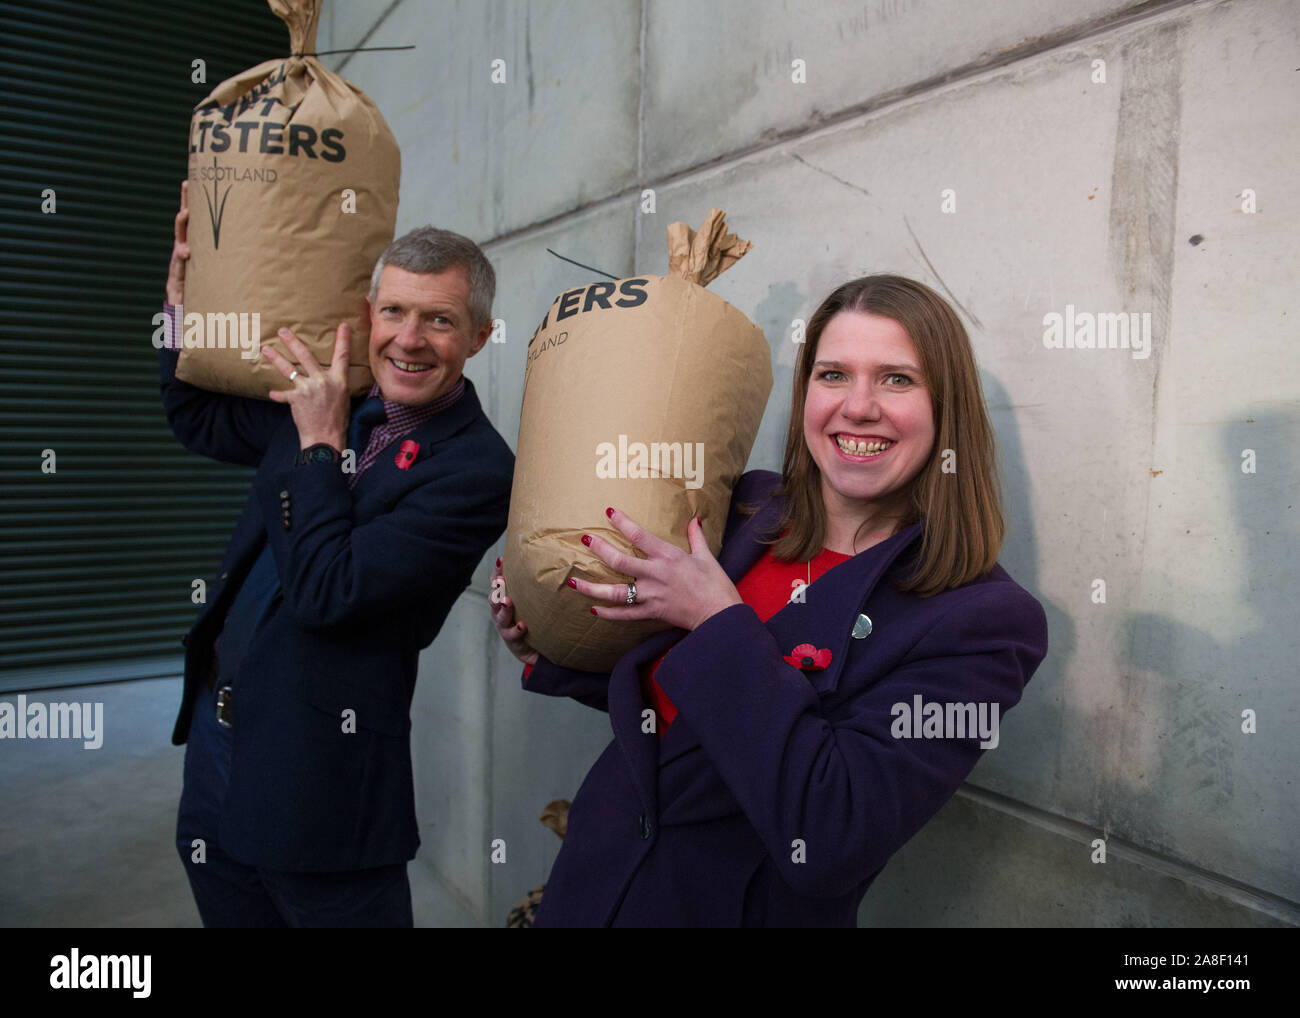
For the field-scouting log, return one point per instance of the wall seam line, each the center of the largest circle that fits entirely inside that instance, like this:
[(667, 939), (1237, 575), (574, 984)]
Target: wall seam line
[(885, 102), (1120, 848), (637, 224)]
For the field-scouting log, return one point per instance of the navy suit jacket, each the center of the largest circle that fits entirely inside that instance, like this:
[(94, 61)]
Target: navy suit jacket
[(777, 795), (367, 578)]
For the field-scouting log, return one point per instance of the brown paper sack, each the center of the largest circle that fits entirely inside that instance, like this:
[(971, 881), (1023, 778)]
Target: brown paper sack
[(293, 197), (644, 394)]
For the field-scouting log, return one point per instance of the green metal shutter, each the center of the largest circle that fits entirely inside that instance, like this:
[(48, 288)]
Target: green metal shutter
[(97, 558)]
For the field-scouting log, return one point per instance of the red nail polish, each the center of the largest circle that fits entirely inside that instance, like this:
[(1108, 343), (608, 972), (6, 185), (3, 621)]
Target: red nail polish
[(572, 582), (586, 539), (593, 611), (498, 561), (609, 513)]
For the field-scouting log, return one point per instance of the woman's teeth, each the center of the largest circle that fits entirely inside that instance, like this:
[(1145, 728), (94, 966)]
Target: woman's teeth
[(406, 366), (860, 447)]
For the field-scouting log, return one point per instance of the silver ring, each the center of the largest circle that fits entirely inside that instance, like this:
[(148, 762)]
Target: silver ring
[(631, 592), (293, 374)]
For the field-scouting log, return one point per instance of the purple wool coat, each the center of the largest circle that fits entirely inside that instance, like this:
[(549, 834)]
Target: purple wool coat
[(778, 794)]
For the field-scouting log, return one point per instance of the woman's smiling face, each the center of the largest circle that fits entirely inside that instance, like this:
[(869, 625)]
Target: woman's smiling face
[(868, 418)]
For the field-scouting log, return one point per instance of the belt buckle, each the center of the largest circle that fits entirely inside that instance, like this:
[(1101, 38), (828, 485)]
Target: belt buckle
[(224, 694)]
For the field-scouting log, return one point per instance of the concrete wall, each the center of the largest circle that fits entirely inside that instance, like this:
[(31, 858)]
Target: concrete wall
[(1115, 195)]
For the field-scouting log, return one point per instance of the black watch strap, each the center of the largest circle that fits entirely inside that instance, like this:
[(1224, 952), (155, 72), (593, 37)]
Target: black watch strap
[(322, 452)]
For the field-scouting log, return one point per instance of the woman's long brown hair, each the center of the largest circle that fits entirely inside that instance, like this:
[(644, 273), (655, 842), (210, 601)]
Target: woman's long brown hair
[(957, 491)]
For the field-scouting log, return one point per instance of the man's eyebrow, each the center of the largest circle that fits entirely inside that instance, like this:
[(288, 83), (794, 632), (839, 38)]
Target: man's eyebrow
[(435, 309)]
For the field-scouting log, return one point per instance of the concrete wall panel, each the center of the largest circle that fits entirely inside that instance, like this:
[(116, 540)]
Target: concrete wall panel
[(485, 158), (720, 77), (452, 756), (976, 864)]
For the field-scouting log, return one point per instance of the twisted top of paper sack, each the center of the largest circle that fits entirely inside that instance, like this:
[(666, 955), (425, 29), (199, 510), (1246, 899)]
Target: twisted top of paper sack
[(302, 17), (702, 257)]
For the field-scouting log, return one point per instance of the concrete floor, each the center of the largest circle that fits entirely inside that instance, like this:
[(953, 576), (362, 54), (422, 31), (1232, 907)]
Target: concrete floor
[(87, 835), (87, 841)]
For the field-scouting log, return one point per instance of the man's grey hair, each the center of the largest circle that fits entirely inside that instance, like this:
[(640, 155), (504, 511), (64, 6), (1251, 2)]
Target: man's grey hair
[(428, 250)]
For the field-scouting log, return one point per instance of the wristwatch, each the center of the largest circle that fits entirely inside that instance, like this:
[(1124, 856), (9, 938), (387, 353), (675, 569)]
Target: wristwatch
[(322, 452)]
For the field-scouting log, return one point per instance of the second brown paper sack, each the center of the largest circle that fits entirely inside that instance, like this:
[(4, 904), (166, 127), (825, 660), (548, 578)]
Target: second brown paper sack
[(645, 394)]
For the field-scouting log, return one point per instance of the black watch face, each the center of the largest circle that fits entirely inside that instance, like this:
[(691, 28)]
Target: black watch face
[(318, 454)]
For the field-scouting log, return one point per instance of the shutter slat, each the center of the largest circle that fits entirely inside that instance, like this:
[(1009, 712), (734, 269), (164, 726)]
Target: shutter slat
[(96, 560)]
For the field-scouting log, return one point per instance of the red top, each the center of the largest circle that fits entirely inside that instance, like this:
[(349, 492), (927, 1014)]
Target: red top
[(766, 588)]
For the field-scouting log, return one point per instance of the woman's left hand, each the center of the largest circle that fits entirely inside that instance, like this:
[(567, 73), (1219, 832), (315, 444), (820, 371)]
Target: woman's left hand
[(680, 588)]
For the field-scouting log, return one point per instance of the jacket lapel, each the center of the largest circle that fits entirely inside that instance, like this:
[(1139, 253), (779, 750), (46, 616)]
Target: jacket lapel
[(825, 619), (746, 546), (437, 428), (641, 749), (832, 604)]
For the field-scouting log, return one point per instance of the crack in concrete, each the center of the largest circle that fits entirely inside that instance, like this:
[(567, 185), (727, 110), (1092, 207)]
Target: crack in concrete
[(828, 173), (930, 265)]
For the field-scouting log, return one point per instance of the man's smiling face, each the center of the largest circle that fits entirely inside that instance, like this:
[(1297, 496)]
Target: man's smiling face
[(421, 333)]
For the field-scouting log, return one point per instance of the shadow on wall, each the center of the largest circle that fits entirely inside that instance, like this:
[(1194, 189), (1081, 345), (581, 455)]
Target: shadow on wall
[(773, 314), (988, 872), (1191, 759), (961, 869), (1020, 553)]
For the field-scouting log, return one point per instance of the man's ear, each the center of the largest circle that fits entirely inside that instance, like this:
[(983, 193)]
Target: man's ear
[(484, 332)]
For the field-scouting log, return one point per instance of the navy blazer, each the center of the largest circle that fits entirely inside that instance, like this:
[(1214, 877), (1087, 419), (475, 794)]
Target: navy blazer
[(777, 795), (367, 577)]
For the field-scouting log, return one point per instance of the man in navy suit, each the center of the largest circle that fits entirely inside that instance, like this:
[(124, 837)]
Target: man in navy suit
[(298, 807)]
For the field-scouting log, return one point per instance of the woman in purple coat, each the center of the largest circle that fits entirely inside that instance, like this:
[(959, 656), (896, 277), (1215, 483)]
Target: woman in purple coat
[(833, 675)]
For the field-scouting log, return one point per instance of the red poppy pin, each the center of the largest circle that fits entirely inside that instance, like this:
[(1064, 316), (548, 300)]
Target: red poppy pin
[(808, 658), (406, 457)]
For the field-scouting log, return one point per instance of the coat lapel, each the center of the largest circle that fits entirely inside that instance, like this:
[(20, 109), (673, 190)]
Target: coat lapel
[(745, 547), (832, 604), (437, 428), (641, 749), (825, 619)]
